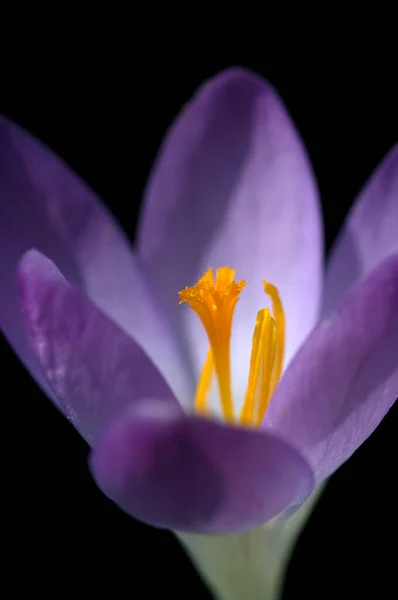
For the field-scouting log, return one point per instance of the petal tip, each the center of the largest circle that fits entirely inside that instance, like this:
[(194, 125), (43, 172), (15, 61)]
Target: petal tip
[(31, 255), (236, 79), (34, 265)]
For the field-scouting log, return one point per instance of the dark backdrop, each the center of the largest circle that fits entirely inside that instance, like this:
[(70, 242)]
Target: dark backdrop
[(105, 112)]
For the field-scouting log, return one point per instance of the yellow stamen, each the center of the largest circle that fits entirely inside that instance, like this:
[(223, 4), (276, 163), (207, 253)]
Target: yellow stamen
[(261, 367), (214, 302), (279, 317), (202, 389)]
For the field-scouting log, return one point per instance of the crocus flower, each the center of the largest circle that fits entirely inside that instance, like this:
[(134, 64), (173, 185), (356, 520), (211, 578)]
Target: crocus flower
[(220, 421)]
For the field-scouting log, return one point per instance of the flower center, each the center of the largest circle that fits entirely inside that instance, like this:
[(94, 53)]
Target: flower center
[(214, 302)]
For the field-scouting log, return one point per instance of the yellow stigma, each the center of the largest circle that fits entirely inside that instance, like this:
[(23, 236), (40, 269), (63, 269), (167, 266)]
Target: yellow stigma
[(214, 302)]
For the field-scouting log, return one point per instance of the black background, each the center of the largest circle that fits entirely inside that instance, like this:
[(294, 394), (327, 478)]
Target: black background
[(104, 109)]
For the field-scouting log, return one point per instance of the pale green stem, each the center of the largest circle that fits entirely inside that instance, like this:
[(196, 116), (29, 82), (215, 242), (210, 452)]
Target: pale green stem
[(249, 565)]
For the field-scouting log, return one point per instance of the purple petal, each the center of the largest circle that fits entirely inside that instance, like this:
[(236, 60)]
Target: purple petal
[(233, 186), (345, 377), (189, 474), (369, 234), (94, 369), (46, 206)]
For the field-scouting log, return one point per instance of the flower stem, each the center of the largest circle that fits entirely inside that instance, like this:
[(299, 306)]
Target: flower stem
[(250, 565)]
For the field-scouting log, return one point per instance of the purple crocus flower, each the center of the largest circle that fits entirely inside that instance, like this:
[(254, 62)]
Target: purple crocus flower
[(104, 335)]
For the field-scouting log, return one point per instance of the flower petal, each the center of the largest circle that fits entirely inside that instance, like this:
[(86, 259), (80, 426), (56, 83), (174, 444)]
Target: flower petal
[(345, 377), (369, 234), (46, 206), (189, 474), (233, 186), (94, 369)]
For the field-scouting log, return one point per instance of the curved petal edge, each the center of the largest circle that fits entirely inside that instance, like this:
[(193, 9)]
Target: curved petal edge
[(189, 474), (344, 379), (94, 369), (369, 234)]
